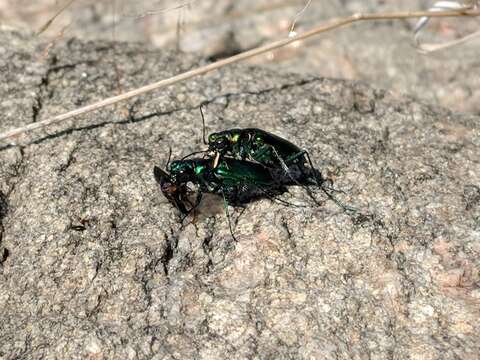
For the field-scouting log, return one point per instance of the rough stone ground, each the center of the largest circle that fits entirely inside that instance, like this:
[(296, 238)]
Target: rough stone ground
[(95, 264), (379, 53)]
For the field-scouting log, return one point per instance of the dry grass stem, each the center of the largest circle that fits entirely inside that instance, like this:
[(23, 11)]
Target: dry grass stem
[(331, 25), (297, 16), (52, 19), (426, 48), (430, 48)]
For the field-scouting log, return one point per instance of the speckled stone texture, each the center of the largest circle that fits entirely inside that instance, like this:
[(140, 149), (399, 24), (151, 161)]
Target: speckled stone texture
[(96, 264), (380, 52)]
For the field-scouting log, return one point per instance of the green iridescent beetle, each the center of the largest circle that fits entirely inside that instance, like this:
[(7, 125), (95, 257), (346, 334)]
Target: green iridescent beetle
[(237, 181), (269, 150)]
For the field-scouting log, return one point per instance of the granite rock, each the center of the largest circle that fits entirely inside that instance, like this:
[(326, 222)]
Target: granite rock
[(95, 263)]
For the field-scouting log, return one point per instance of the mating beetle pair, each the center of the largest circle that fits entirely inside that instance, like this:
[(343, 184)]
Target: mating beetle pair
[(241, 165)]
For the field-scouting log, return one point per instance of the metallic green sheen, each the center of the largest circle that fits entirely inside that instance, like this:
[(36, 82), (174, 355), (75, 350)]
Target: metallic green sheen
[(234, 171), (255, 144)]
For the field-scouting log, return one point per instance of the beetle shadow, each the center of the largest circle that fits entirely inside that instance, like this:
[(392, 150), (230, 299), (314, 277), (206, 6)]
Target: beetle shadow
[(210, 205)]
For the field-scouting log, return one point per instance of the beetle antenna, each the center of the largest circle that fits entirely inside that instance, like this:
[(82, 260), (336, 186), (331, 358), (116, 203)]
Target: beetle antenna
[(193, 153), (203, 124), (169, 157)]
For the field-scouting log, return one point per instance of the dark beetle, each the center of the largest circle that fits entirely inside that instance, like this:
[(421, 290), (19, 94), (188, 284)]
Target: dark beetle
[(257, 145), (271, 151), (237, 181), (260, 146)]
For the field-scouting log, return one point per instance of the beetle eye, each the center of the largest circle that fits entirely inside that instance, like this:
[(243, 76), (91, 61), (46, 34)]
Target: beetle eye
[(222, 143)]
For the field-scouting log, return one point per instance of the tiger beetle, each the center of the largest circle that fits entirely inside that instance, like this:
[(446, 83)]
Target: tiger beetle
[(267, 149), (237, 181)]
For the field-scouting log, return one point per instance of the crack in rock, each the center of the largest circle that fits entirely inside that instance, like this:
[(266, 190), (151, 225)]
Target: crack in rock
[(3, 212)]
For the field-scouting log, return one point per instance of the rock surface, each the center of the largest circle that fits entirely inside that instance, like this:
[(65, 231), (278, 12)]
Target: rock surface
[(380, 53), (95, 263)]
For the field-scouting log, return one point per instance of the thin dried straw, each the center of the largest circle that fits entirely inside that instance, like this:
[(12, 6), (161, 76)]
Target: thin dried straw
[(52, 19), (334, 24), (442, 6)]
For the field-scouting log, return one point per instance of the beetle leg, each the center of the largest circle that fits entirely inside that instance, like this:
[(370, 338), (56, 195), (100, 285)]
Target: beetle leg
[(282, 163), (286, 169), (216, 160), (225, 205), (315, 175), (198, 199), (320, 182), (270, 195)]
